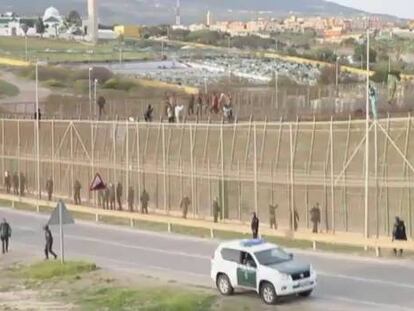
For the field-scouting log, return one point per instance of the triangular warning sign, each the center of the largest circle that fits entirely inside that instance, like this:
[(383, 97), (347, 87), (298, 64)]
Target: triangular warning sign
[(67, 218), (97, 183)]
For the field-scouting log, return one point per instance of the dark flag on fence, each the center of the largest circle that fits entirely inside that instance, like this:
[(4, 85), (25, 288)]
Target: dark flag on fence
[(97, 183)]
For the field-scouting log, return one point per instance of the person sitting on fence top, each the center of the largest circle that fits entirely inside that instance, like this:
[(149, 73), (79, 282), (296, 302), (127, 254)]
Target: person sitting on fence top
[(178, 112), (148, 114)]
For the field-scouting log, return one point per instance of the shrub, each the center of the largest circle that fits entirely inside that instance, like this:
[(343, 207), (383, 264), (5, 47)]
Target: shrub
[(119, 84)]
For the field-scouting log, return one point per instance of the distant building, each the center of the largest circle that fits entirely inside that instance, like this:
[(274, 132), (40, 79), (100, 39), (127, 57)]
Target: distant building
[(11, 25), (128, 31), (52, 21), (208, 19)]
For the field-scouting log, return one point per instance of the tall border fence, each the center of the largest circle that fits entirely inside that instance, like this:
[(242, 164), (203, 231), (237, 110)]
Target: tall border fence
[(246, 167)]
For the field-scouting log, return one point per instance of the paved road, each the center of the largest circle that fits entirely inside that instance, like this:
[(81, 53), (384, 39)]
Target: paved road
[(345, 282)]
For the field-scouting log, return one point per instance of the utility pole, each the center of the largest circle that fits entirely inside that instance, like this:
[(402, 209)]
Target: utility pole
[(90, 91), (366, 213), (37, 133)]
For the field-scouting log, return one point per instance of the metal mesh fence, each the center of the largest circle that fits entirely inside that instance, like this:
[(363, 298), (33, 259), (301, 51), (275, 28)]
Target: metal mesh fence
[(246, 167)]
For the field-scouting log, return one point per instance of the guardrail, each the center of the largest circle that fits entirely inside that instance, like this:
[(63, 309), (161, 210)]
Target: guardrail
[(339, 238)]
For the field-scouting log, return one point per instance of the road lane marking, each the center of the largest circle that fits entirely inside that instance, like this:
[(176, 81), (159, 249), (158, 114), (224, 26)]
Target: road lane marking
[(150, 249), (365, 280), (378, 305)]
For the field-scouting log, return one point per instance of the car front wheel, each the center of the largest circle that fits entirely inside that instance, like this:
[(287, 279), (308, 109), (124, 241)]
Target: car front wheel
[(224, 285), (268, 293), (305, 294)]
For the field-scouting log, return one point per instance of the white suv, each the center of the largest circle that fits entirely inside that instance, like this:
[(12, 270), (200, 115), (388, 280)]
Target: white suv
[(263, 267)]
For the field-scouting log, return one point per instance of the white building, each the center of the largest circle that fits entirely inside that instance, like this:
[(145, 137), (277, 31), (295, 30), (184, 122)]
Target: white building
[(53, 21)]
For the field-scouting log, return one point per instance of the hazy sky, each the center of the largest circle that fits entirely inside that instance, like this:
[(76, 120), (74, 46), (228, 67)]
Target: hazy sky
[(402, 8)]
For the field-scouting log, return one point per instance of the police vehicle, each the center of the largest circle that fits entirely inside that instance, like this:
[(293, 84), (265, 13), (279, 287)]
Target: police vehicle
[(263, 267)]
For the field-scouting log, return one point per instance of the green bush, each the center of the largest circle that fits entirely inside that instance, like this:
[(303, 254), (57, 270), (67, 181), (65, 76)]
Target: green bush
[(54, 83), (81, 86), (52, 269), (119, 84)]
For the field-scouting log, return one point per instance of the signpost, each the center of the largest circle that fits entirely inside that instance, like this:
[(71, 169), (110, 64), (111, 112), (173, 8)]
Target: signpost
[(61, 216), (97, 183)]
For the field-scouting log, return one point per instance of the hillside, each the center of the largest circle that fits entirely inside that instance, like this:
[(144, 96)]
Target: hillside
[(162, 11)]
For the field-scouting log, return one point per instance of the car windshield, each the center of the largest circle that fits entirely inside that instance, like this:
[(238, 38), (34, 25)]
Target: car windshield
[(272, 256)]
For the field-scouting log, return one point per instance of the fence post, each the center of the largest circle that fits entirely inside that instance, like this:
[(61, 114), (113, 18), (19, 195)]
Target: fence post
[(332, 176), (164, 166), (256, 203), (71, 159), (222, 170), (192, 170)]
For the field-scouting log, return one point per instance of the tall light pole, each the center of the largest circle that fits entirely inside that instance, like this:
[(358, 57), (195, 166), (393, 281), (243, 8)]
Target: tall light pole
[(95, 83), (37, 133), (277, 88), (366, 213), (26, 47), (90, 91), (337, 75)]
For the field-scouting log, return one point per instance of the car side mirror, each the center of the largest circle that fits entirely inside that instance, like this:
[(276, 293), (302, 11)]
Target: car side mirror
[(291, 255)]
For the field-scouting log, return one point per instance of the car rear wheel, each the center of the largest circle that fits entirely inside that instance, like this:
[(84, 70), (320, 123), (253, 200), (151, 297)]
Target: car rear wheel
[(268, 293), (224, 285), (306, 294)]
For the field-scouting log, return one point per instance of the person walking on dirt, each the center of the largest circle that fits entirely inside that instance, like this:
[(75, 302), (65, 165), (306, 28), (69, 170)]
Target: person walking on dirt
[(119, 195), (399, 234), (216, 210), (144, 202), (106, 198), (295, 219), (22, 184), (131, 194), (49, 188), (315, 217), (5, 235), (49, 243), (185, 203), (7, 181), (255, 226), (76, 192), (272, 216), (112, 195), (15, 183)]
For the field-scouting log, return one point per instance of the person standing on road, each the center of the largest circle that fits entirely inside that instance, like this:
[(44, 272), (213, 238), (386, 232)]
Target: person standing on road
[(7, 181), (272, 216), (216, 210), (119, 195), (255, 226), (315, 217), (76, 192), (185, 203), (144, 202), (5, 235), (49, 243), (399, 234), (49, 188), (131, 194), (16, 183)]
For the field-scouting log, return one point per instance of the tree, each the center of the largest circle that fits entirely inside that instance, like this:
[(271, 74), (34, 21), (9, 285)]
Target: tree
[(74, 18), (360, 54), (40, 27)]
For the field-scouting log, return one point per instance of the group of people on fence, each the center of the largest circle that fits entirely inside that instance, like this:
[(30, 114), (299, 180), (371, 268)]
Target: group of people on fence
[(202, 104)]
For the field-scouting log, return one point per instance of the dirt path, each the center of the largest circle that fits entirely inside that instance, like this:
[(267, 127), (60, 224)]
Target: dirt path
[(26, 96)]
